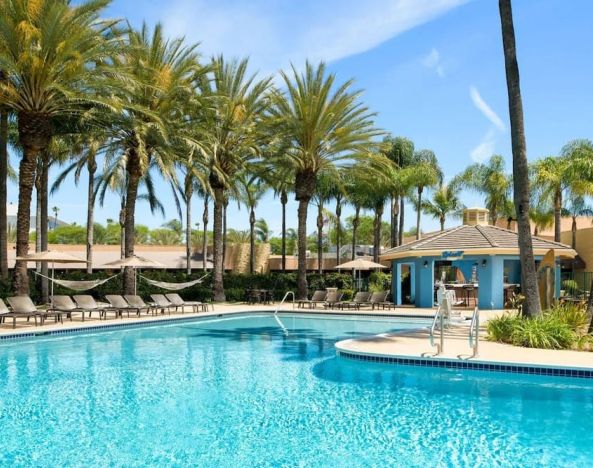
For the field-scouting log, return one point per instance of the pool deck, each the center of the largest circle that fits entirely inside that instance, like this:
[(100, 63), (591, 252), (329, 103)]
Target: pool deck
[(409, 344)]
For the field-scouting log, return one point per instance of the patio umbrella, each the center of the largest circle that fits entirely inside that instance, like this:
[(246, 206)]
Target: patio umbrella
[(135, 262), (359, 264), (53, 257)]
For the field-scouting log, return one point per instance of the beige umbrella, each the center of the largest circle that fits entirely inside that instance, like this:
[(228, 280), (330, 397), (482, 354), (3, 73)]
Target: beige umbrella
[(359, 264), (53, 257), (135, 261)]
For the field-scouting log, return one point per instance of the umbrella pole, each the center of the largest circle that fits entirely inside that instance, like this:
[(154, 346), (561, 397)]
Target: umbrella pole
[(53, 275)]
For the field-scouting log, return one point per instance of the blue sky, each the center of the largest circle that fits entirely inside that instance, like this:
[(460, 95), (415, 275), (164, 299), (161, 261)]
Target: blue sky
[(432, 69)]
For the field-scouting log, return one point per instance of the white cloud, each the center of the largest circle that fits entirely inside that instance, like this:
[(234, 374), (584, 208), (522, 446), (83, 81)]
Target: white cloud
[(485, 148), (485, 109), (433, 61), (274, 34)]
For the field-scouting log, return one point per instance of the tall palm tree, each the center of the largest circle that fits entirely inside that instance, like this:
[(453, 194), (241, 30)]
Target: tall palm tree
[(3, 193), (426, 173), (491, 180), (232, 138), (262, 230), (281, 180), (542, 217), (578, 207), (326, 125), (400, 150), (521, 192), (555, 178), (154, 127), (251, 191), (445, 202), (53, 55)]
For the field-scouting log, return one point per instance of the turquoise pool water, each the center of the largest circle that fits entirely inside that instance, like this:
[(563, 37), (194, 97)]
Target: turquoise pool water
[(240, 392)]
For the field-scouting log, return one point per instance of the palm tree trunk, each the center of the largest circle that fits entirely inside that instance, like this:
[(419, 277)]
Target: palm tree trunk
[(43, 223), (302, 249), (218, 285), (377, 232), (418, 213), (532, 305), (224, 230), (134, 173), (394, 221), (442, 221), (574, 232), (205, 235), (338, 228), (122, 227), (355, 224), (252, 241), (90, 212), (320, 238), (557, 215), (34, 136), (402, 206), (188, 195), (3, 193), (284, 201)]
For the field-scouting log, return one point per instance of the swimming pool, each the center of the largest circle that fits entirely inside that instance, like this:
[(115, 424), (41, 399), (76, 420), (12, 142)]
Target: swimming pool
[(239, 391)]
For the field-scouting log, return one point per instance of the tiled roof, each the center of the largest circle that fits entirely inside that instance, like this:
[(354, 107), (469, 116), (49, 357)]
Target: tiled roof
[(472, 238)]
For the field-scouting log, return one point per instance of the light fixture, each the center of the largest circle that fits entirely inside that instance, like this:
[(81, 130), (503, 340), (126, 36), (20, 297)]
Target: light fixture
[(484, 262), (425, 263)]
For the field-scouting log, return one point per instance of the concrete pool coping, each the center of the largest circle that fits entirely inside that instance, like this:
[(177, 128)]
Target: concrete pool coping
[(397, 347)]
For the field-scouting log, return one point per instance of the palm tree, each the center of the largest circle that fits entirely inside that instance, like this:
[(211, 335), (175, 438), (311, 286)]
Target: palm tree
[(426, 173), (532, 305), (281, 181), (491, 180), (578, 207), (153, 129), (53, 55), (262, 230), (445, 202), (232, 138), (251, 191), (4, 111), (326, 125), (542, 217), (400, 150)]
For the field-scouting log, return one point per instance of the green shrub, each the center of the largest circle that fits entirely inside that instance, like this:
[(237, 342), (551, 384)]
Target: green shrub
[(574, 316), (348, 294), (379, 281), (570, 286), (545, 332), (501, 328)]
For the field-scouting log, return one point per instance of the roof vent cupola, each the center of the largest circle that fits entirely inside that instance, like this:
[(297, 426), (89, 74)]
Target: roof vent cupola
[(475, 217)]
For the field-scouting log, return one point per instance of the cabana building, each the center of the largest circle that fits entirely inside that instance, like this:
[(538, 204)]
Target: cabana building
[(479, 261)]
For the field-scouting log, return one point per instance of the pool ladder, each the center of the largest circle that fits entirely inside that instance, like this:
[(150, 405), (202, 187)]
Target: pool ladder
[(439, 318), (474, 332), (288, 293)]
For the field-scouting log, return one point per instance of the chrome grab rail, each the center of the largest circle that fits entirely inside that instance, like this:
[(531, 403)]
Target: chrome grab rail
[(284, 299), (474, 330), (439, 316)]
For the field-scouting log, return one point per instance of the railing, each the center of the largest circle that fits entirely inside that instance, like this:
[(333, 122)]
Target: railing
[(439, 318), (288, 293), (474, 332)]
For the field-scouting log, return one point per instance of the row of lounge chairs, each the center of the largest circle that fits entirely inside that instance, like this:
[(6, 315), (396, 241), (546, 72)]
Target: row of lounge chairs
[(23, 307), (333, 300)]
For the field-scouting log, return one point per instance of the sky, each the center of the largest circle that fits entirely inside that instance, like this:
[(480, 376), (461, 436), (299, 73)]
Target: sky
[(432, 70)]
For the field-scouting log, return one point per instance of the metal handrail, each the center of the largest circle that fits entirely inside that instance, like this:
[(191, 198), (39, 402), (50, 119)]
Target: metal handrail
[(474, 332), (284, 299), (439, 316)]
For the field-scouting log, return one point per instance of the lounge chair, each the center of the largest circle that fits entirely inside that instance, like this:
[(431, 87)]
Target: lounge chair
[(161, 301), (24, 307), (118, 302), (318, 297), (136, 301), (359, 298), (195, 305), (376, 299), (332, 299), (67, 306), (87, 302), (5, 313)]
